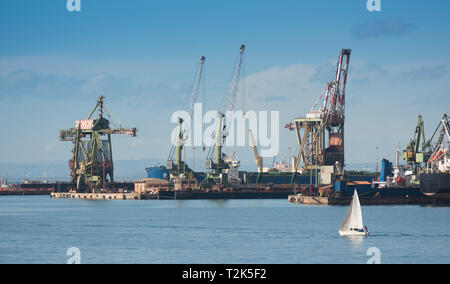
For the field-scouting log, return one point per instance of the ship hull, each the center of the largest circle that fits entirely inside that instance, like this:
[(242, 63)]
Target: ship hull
[(223, 195), (384, 192), (435, 183)]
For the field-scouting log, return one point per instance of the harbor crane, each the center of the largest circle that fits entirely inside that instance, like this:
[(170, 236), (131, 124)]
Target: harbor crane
[(92, 160), (179, 166), (326, 119), (440, 152), (223, 125), (258, 158), (419, 149)]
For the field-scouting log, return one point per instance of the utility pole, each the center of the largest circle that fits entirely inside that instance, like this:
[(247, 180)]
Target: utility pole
[(289, 161), (193, 158), (378, 150)]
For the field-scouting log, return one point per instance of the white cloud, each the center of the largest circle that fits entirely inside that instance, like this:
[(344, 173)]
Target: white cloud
[(382, 101), (279, 88)]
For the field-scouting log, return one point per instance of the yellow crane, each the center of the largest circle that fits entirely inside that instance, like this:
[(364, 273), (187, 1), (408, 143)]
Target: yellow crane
[(258, 159)]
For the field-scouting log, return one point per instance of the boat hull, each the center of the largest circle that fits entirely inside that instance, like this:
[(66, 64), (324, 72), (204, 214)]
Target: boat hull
[(435, 183), (353, 234), (224, 195), (157, 172)]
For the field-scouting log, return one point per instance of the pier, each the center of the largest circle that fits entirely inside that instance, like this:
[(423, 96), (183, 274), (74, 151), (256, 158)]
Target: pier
[(103, 196)]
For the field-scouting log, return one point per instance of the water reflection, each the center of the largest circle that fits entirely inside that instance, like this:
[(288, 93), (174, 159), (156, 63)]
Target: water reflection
[(355, 241), (218, 203)]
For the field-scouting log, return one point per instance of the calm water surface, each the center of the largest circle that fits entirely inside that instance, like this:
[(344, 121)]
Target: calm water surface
[(37, 229)]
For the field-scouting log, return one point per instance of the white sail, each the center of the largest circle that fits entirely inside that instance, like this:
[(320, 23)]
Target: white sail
[(353, 218)]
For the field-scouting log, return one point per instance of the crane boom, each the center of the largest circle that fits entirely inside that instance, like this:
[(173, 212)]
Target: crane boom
[(181, 137), (258, 159), (234, 84), (446, 126), (439, 150), (195, 90)]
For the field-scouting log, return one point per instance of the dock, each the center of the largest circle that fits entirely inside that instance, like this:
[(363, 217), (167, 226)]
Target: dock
[(103, 196), (345, 201)]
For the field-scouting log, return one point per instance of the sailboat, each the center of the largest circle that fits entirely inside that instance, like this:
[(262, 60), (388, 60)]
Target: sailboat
[(353, 222)]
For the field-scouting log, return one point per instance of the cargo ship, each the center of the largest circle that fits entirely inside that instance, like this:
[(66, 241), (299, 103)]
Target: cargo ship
[(395, 181), (158, 172), (435, 183), (436, 179)]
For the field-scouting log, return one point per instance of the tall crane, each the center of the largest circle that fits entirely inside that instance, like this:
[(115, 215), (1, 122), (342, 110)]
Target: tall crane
[(182, 135), (92, 160), (419, 149), (258, 158), (440, 150), (222, 126), (315, 149)]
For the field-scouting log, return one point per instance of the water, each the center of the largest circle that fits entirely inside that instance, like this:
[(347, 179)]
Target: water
[(37, 229)]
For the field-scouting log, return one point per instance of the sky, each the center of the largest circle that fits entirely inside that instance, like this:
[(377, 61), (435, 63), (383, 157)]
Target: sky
[(142, 56)]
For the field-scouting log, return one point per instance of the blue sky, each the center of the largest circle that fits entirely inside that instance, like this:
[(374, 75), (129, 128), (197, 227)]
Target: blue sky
[(142, 56)]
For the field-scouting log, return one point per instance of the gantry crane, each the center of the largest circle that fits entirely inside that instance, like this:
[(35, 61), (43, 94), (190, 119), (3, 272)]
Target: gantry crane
[(315, 148), (222, 127), (182, 135), (258, 158), (92, 160)]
